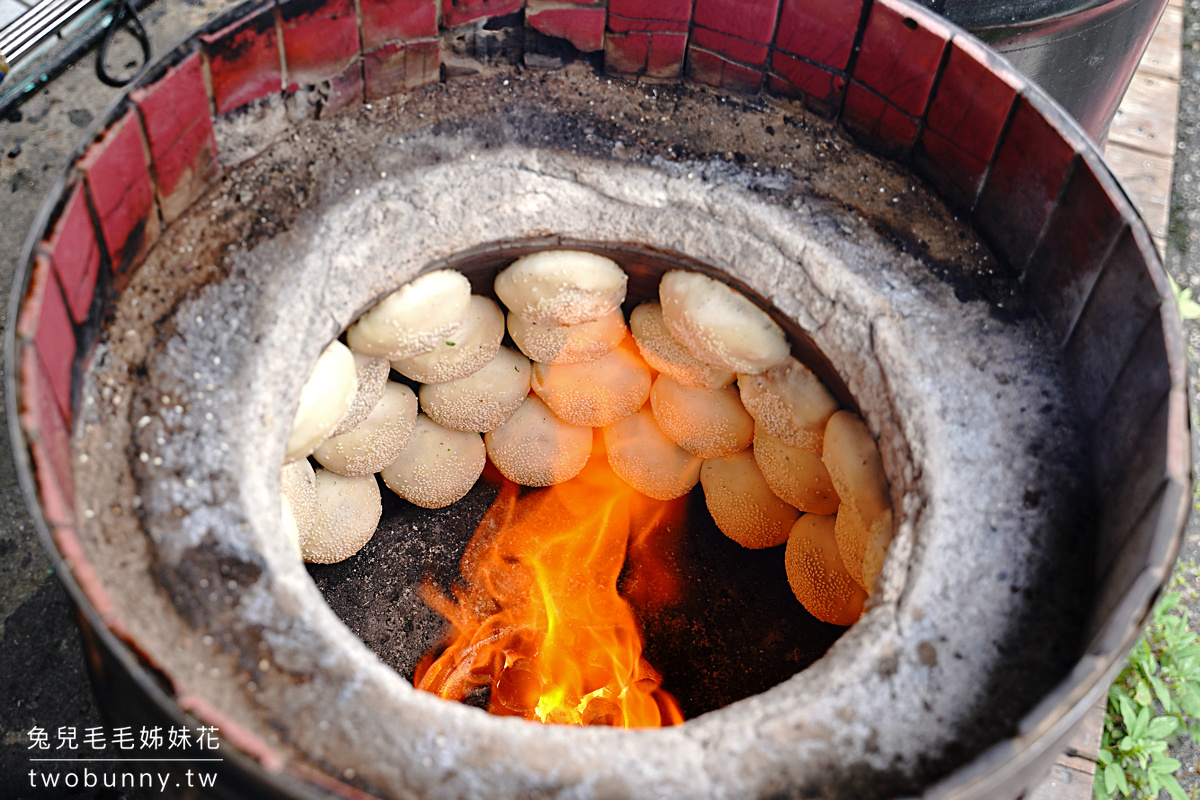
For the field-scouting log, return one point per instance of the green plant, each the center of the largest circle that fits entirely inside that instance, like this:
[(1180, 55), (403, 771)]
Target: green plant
[(1154, 699), (1188, 307)]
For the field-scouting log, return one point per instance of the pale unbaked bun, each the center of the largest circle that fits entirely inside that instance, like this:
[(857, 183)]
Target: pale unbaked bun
[(482, 401), (817, 575), (370, 376), (790, 402), (438, 467), (709, 423), (324, 400), (796, 475), (348, 509), (536, 448), (298, 493), (719, 325), (561, 287), (742, 504), (468, 350), (378, 440), (668, 356), (568, 344), (413, 319), (864, 518), (597, 393), (642, 456)]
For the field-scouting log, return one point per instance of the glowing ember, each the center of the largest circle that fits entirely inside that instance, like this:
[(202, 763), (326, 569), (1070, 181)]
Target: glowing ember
[(540, 621)]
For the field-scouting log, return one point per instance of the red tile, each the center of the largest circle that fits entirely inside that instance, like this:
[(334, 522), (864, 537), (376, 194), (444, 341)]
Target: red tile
[(54, 430), (345, 91), (665, 59), (388, 20), (1063, 269), (179, 130), (458, 12), (173, 104), (118, 180), (970, 104), (649, 15), (731, 48), (582, 27), (877, 123), (399, 67), (899, 58), (654, 55), (710, 68), (953, 171), (819, 30), (797, 78), (320, 39), (1022, 184), (55, 340), (752, 20), (186, 170), (243, 60), (75, 253)]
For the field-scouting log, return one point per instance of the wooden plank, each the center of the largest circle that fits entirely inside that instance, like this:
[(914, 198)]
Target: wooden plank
[(1147, 180), (1073, 772), (1063, 783), (1163, 56), (1146, 117)]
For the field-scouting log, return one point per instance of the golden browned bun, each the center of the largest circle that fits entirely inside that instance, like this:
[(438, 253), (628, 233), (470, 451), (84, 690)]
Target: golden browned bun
[(856, 469), (817, 575), (709, 423), (642, 456), (597, 393), (741, 503), (790, 402), (796, 475)]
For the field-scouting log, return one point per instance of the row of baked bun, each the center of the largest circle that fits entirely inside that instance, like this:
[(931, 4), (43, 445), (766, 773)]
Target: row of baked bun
[(757, 447)]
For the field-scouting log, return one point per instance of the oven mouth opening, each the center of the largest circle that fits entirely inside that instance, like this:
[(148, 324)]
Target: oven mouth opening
[(719, 621)]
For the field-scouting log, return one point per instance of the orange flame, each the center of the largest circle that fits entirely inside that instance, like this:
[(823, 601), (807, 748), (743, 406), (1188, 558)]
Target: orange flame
[(540, 619)]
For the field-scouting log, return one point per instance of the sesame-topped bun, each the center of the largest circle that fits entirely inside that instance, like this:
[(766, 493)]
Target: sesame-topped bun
[(742, 504), (348, 509), (663, 353), (438, 467), (377, 440), (817, 575), (324, 400), (719, 325), (468, 350), (414, 318), (536, 448), (482, 401), (561, 287)]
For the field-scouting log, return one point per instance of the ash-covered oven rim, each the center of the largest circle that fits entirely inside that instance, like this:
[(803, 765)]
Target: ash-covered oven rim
[(1038, 157)]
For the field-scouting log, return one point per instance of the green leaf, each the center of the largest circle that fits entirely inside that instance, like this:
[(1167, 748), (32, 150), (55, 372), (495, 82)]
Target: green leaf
[(1104, 757), (1138, 729), (1165, 765), (1173, 788), (1162, 727), (1113, 778)]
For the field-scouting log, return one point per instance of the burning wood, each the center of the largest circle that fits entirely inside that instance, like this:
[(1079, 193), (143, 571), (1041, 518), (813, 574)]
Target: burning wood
[(540, 630)]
